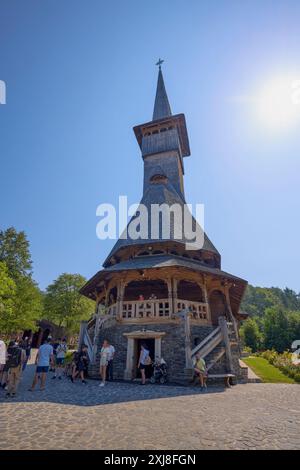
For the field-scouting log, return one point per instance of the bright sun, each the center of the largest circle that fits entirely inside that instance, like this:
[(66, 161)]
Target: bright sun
[(276, 103)]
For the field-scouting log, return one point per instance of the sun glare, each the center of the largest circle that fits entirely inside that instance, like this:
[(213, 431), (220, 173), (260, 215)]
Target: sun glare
[(276, 104)]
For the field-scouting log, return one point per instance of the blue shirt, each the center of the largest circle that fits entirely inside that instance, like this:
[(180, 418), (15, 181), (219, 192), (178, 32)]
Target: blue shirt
[(45, 352)]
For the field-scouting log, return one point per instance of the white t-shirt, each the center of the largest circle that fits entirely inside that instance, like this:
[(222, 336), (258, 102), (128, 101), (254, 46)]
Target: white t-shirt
[(2, 352), (61, 351), (111, 352), (145, 354), (104, 353)]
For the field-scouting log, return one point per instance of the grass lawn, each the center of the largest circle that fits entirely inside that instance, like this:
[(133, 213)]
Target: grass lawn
[(266, 371)]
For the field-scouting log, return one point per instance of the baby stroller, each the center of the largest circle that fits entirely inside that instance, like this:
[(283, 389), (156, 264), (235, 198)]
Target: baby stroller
[(159, 372)]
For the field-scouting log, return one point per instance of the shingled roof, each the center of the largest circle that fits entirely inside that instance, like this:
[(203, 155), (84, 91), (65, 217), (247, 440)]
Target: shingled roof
[(167, 261), (162, 107), (160, 193)]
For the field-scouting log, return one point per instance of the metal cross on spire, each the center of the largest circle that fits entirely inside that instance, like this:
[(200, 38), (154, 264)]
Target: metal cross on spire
[(160, 61)]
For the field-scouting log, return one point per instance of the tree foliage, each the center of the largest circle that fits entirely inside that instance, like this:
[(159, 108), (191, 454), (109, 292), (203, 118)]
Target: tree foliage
[(7, 298), (250, 334), (274, 321), (64, 305), (23, 302), (15, 252)]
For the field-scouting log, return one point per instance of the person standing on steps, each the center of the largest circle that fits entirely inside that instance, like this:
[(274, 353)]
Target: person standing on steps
[(109, 371), (144, 360), (44, 359)]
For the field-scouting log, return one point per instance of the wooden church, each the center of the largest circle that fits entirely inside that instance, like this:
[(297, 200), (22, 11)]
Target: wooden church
[(177, 300)]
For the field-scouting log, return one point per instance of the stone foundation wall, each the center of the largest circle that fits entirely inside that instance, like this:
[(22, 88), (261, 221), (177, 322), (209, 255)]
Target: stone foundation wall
[(172, 349)]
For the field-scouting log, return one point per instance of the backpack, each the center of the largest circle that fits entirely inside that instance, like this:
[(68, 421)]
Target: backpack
[(14, 359)]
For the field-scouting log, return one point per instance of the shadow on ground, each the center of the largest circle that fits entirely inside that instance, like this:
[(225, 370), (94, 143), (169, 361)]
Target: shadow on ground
[(64, 392)]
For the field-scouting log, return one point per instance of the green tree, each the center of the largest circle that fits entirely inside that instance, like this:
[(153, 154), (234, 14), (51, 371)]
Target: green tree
[(250, 334), (27, 303), (14, 251), (28, 307), (276, 329), (64, 305), (7, 299)]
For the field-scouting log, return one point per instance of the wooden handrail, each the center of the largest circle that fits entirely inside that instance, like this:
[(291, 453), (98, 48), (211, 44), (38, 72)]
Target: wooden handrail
[(206, 340)]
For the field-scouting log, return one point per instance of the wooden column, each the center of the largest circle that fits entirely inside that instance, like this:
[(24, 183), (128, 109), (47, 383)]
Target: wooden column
[(96, 333), (170, 296), (224, 329), (120, 297), (129, 359), (206, 300), (174, 295), (230, 312), (188, 370)]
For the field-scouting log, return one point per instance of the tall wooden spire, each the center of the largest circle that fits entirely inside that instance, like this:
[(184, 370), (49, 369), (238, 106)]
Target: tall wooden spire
[(162, 107)]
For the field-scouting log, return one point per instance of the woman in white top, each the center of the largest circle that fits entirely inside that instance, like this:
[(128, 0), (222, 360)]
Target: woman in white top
[(144, 361), (104, 356)]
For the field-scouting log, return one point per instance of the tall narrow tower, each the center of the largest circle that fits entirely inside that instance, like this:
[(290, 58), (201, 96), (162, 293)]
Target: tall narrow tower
[(154, 289), (164, 144)]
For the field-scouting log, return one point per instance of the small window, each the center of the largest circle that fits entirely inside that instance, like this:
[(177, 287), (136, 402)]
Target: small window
[(158, 179)]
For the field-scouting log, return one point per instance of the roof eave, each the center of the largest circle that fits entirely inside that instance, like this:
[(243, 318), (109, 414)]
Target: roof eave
[(181, 126)]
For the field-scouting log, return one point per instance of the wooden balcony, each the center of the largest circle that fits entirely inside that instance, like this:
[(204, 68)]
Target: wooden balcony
[(161, 309), (156, 308), (198, 309)]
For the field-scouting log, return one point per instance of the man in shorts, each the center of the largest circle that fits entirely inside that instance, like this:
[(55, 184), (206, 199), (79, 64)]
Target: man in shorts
[(43, 360), (16, 357), (61, 351)]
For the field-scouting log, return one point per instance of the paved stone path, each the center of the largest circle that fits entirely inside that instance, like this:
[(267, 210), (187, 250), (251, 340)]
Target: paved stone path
[(129, 416)]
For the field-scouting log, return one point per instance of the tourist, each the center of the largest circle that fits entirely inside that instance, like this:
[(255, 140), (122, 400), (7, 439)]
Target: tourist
[(200, 370), (152, 297), (144, 360), (4, 379), (81, 364), (54, 344), (109, 370), (27, 349), (104, 355), (2, 358), (15, 357), (61, 351), (44, 359), (141, 298)]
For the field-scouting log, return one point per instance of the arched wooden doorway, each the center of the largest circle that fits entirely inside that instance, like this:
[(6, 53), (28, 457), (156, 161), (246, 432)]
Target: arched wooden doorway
[(147, 289), (217, 304), (188, 290)]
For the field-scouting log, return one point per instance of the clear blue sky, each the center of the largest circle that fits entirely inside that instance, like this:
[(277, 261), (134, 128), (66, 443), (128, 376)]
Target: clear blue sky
[(80, 75)]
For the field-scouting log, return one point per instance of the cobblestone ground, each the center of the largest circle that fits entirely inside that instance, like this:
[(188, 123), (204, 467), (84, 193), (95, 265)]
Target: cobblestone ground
[(129, 416)]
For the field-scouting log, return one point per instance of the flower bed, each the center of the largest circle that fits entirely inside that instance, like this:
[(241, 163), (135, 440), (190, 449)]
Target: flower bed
[(283, 362)]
